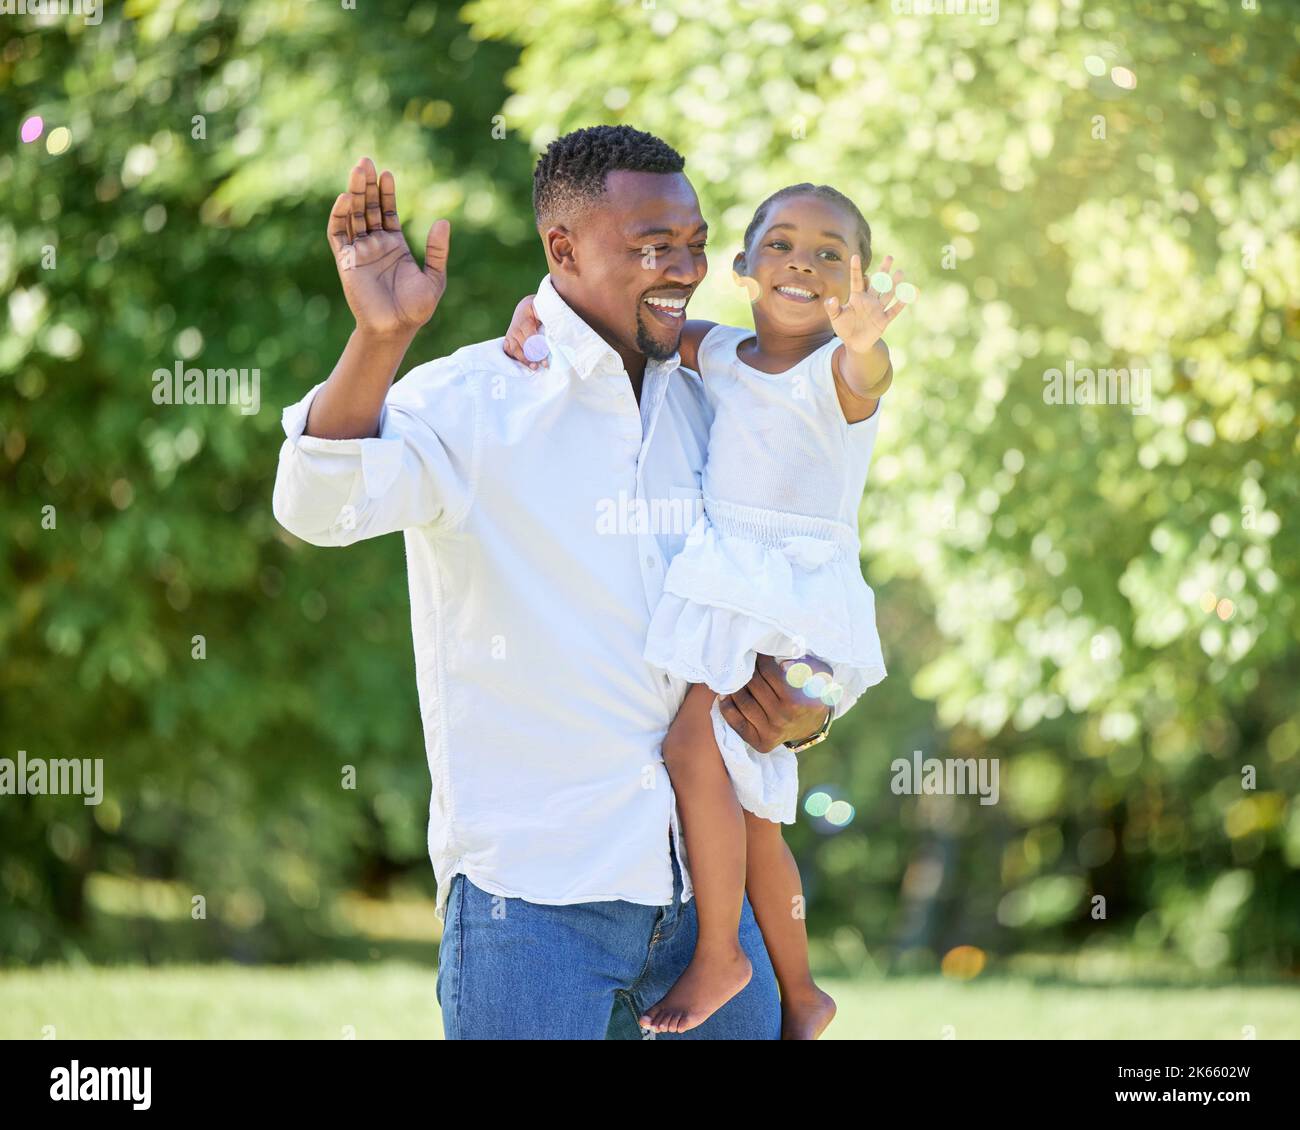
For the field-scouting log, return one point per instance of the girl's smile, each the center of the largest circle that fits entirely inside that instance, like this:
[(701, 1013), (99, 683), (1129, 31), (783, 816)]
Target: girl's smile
[(795, 293)]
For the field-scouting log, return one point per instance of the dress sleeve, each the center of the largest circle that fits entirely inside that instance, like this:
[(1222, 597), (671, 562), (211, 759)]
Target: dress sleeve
[(715, 347)]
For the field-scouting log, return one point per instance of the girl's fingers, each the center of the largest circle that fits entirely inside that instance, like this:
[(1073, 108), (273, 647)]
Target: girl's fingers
[(514, 348), (855, 275), (900, 304), (888, 262), (530, 326), (913, 292), (388, 201)]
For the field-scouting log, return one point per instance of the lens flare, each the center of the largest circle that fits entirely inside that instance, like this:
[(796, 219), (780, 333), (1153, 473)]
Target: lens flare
[(536, 349), (830, 812), (32, 129), (750, 286), (1123, 78), (817, 803), (840, 814), (906, 292), (58, 141), (798, 674), (964, 963), (817, 686), (881, 283)]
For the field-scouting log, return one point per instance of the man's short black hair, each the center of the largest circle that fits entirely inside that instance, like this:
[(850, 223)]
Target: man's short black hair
[(570, 175)]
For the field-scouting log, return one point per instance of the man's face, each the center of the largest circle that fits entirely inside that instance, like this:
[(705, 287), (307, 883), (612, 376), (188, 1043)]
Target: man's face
[(638, 255)]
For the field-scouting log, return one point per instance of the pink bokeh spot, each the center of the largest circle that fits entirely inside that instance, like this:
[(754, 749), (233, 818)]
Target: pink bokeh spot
[(32, 129)]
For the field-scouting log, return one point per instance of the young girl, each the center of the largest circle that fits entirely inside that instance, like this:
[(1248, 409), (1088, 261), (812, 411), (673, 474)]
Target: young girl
[(771, 568)]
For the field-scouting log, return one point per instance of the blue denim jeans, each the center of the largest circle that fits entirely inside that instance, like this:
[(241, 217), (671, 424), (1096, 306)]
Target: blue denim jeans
[(509, 969)]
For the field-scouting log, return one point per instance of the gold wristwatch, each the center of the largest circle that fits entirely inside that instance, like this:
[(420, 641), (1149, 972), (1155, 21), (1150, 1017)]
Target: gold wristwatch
[(820, 736)]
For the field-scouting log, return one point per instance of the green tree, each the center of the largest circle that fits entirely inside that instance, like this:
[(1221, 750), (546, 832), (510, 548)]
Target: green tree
[(186, 222), (1101, 596)]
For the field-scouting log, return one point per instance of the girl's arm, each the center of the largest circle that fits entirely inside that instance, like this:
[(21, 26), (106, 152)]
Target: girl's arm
[(861, 365), (861, 379), (525, 324), (692, 334)]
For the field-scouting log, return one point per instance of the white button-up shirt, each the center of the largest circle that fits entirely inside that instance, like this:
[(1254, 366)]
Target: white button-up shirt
[(540, 512)]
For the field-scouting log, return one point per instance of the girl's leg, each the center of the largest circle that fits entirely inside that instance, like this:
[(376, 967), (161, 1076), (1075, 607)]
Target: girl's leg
[(714, 828), (776, 894)]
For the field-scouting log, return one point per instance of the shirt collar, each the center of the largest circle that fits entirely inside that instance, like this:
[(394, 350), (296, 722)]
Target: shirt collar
[(588, 352)]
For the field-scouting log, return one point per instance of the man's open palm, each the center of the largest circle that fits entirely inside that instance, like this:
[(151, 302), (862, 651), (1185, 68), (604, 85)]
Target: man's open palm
[(388, 292)]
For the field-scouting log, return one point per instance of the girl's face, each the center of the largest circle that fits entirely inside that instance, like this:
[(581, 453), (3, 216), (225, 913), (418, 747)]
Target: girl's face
[(798, 259)]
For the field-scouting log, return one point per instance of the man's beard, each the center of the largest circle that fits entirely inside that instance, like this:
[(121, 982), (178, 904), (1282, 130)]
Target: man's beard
[(645, 343)]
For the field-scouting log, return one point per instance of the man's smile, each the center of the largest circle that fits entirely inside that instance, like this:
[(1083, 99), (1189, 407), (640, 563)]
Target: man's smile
[(668, 307)]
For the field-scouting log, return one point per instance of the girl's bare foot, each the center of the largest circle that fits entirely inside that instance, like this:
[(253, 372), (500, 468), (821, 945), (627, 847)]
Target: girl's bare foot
[(712, 978), (805, 1016)]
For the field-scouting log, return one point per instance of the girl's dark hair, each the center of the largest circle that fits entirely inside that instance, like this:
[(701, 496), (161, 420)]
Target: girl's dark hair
[(824, 192)]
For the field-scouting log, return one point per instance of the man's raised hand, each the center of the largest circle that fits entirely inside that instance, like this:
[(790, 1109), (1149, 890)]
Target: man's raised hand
[(389, 294)]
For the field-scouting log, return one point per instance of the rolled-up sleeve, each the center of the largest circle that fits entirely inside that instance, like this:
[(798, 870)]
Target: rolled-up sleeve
[(416, 472)]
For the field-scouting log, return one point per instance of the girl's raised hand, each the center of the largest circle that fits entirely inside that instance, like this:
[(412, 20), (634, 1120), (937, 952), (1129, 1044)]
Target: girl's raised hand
[(862, 321)]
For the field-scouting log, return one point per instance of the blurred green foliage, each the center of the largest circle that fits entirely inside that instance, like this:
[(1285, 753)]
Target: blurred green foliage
[(224, 773), (1102, 599)]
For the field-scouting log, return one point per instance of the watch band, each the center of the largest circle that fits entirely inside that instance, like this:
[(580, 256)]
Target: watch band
[(820, 736)]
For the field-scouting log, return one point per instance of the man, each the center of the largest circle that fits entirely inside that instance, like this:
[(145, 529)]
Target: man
[(553, 829)]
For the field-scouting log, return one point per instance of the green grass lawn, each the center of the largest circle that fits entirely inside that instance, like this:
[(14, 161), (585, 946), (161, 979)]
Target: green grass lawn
[(395, 1000)]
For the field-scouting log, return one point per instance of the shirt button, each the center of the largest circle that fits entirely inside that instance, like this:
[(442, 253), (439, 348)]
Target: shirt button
[(649, 562)]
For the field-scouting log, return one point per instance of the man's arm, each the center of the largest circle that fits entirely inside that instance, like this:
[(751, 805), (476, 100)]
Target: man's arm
[(362, 457), (768, 711), (332, 492)]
